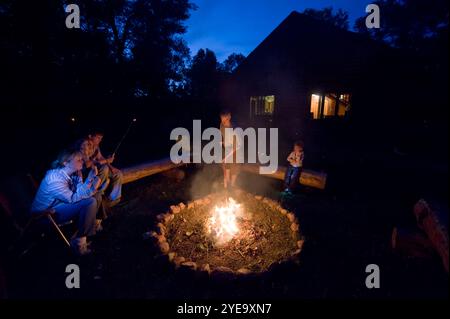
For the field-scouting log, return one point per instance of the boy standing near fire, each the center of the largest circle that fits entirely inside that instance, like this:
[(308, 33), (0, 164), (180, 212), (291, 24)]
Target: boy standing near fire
[(229, 147), (295, 159)]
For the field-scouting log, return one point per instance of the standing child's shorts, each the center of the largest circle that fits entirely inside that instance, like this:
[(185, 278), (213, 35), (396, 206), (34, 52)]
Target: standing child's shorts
[(233, 167)]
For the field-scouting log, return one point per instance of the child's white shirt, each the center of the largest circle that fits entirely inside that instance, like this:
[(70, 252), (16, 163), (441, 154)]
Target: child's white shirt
[(296, 160)]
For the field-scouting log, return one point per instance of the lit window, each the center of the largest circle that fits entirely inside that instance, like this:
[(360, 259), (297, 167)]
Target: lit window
[(262, 105), (344, 104), (315, 106), (329, 108), (329, 105), (269, 104)]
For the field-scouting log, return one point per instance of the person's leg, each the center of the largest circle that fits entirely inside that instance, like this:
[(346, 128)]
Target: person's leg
[(234, 174), (85, 211), (116, 180), (226, 177), (104, 174), (102, 210), (287, 177), (88, 216), (294, 177)]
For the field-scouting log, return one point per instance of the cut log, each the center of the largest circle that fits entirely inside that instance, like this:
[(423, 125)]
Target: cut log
[(412, 243), (175, 174), (134, 173), (434, 222), (308, 177)]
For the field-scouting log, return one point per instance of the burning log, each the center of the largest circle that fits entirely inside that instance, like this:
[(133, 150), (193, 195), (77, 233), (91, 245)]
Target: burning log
[(308, 177), (431, 220)]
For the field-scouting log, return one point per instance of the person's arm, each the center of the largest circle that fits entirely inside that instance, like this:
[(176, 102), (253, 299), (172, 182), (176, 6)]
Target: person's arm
[(297, 160), (290, 158), (302, 157), (60, 189), (102, 160)]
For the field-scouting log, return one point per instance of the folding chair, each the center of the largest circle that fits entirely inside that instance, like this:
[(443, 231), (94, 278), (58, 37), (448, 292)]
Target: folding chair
[(49, 215), (16, 201)]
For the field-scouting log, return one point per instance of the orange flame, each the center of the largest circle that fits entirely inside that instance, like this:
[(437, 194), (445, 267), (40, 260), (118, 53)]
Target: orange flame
[(223, 223)]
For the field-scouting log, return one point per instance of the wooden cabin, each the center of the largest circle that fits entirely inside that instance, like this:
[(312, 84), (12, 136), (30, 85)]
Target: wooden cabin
[(307, 77)]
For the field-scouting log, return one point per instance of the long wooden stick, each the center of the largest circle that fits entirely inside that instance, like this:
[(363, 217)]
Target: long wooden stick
[(58, 229), (123, 137)]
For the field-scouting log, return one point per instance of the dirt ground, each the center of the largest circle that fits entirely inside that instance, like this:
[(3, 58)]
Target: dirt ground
[(346, 227), (264, 236)]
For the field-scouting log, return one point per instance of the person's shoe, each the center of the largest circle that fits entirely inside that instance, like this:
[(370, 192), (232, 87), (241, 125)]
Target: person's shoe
[(98, 225), (80, 246)]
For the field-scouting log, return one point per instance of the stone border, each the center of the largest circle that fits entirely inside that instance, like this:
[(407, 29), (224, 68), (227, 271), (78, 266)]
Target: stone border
[(180, 262)]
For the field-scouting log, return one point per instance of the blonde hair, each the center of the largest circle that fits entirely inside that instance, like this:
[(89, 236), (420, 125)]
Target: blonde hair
[(64, 157)]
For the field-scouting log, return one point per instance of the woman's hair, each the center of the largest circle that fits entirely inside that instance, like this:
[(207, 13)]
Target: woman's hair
[(64, 157), (299, 143)]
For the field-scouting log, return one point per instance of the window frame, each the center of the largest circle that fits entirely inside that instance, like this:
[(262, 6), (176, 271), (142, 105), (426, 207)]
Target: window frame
[(258, 106), (336, 96)]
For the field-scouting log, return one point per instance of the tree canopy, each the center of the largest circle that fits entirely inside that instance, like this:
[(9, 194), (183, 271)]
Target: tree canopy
[(337, 18)]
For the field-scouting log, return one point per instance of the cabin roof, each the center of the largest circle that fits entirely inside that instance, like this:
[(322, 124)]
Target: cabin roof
[(304, 44)]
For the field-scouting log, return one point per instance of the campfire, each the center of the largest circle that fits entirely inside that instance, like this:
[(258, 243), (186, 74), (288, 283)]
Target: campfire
[(242, 234), (223, 221)]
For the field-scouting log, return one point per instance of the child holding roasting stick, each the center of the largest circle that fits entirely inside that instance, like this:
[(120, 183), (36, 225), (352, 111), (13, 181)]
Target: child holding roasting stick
[(229, 147), (111, 177)]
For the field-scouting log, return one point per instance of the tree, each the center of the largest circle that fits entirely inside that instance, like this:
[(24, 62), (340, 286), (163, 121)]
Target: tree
[(232, 62), (204, 75), (123, 47), (145, 39), (338, 19), (410, 24)]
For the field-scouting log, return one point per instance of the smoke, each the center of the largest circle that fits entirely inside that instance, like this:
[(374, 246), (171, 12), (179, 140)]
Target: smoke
[(208, 179)]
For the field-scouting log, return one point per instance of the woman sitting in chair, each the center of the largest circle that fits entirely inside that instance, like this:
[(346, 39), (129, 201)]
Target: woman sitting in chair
[(63, 191)]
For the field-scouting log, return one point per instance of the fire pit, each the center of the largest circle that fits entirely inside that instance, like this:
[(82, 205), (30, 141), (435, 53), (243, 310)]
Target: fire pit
[(239, 234)]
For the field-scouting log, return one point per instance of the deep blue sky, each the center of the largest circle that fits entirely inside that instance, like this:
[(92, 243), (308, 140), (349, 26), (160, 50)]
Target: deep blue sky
[(227, 26)]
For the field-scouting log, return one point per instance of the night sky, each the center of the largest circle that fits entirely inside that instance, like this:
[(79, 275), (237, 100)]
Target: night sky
[(227, 26)]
